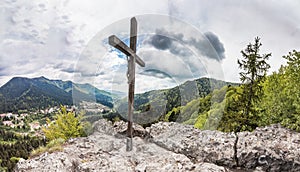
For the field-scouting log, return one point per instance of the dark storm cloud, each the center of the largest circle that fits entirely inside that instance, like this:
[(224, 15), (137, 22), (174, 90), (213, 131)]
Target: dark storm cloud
[(161, 42), (156, 73), (176, 44), (215, 42)]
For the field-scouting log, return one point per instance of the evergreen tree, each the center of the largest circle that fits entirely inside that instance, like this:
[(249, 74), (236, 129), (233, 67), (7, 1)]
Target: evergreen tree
[(66, 126), (254, 68)]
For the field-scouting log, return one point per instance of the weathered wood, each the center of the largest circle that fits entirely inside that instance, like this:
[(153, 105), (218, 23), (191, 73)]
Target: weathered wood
[(114, 41), (133, 58), (131, 81), (133, 34)]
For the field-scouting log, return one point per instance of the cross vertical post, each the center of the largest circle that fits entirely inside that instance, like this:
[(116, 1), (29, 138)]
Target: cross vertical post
[(131, 81), (132, 59)]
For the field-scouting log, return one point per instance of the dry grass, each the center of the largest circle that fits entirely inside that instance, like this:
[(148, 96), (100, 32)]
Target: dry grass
[(53, 146)]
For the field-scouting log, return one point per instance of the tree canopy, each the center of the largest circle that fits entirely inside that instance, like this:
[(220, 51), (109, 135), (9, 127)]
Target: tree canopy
[(281, 99)]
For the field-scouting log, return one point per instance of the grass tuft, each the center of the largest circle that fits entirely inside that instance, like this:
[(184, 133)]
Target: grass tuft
[(52, 146)]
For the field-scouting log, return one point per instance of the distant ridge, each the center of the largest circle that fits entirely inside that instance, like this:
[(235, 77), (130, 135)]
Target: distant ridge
[(37, 93)]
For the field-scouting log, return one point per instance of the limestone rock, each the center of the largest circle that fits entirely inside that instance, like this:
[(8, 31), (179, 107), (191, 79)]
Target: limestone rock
[(201, 146), (272, 148), (103, 151), (173, 147)]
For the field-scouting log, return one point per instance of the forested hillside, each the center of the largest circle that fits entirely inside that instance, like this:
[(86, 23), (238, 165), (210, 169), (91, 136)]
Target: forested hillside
[(261, 100), (154, 105), (40, 93), (14, 146)]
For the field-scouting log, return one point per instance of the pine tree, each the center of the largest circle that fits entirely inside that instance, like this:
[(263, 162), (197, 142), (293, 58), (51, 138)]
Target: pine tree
[(254, 68)]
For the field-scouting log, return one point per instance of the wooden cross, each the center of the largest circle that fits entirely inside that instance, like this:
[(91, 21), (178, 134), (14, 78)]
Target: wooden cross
[(133, 58)]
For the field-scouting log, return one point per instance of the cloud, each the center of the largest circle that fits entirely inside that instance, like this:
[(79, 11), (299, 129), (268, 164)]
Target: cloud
[(165, 64), (2, 71), (177, 44), (156, 73), (55, 39), (51, 37), (237, 23), (215, 42), (160, 42), (170, 57)]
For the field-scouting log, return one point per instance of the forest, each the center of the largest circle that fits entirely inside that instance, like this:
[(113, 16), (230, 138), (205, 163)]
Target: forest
[(15, 146), (259, 100)]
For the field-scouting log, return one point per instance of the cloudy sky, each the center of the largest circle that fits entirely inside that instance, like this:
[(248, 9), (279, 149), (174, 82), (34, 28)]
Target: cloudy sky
[(178, 40)]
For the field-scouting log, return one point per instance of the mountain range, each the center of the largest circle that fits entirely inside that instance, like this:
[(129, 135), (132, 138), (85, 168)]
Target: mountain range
[(37, 93)]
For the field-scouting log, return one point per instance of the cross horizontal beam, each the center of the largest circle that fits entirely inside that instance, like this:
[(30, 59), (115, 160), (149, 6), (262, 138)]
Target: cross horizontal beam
[(114, 41)]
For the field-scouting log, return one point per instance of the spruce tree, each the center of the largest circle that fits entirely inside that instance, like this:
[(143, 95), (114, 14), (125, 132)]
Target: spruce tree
[(254, 68)]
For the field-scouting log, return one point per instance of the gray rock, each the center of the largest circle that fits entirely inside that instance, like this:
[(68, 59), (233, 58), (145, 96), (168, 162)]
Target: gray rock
[(173, 147), (272, 148), (201, 146), (102, 151)]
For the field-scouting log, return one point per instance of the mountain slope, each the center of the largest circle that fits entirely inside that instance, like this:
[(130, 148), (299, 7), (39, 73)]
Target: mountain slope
[(154, 105), (37, 93)]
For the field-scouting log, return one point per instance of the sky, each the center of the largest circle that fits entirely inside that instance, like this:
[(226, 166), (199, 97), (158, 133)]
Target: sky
[(178, 40)]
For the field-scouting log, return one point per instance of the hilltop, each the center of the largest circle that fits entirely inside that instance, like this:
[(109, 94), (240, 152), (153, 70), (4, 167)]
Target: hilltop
[(173, 147)]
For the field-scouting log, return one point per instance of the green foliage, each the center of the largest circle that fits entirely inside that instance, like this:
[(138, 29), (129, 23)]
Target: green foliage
[(222, 111), (254, 68), (55, 142), (281, 99), (172, 115), (66, 126), (203, 113), (201, 120), (15, 159), (3, 168), (261, 100), (279, 102), (165, 105), (14, 145), (190, 112), (233, 118)]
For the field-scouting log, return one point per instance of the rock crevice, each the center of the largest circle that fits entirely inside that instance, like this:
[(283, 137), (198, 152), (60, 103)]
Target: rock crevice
[(236, 159)]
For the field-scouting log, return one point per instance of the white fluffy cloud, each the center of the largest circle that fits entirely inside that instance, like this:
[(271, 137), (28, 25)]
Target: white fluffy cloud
[(106, 67), (63, 39)]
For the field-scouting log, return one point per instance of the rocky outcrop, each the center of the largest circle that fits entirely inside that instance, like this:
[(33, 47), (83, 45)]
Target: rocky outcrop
[(173, 147), (200, 146), (272, 148)]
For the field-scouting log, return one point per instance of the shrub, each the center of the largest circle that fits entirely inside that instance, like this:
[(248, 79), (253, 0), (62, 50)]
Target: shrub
[(66, 126)]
